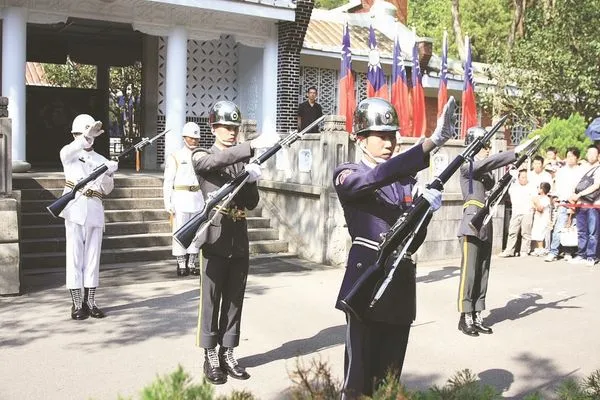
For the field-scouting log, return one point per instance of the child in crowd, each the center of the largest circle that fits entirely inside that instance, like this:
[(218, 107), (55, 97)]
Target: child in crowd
[(541, 218)]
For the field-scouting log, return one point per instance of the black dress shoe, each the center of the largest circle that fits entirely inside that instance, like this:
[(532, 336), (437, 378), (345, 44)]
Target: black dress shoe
[(467, 327), (214, 375), (195, 271), (479, 325), (79, 313), (234, 371), (183, 271), (94, 312)]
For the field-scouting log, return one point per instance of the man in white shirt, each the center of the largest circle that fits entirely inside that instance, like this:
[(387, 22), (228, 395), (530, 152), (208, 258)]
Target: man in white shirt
[(84, 215), (521, 194), (183, 197), (565, 181), (537, 174)]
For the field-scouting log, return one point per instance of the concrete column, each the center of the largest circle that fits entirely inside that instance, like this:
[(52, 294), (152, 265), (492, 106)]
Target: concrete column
[(14, 46), (268, 122), (175, 92), (150, 99)]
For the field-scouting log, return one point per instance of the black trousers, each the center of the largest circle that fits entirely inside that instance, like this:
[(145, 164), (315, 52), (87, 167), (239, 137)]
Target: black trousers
[(222, 288), (372, 349)]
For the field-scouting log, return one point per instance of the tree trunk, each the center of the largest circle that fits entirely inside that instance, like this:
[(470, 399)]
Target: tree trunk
[(517, 22), (458, 36)]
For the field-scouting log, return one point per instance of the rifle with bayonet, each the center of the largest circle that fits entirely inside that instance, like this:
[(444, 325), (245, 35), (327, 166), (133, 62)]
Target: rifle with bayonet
[(61, 203), (199, 223), (484, 214), (372, 284)]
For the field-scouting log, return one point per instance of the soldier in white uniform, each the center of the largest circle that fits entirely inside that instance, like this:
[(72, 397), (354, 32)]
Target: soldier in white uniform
[(183, 197), (84, 216)]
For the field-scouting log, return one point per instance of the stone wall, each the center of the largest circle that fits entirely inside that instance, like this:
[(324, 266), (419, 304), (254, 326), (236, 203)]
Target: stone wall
[(298, 195), (10, 279)]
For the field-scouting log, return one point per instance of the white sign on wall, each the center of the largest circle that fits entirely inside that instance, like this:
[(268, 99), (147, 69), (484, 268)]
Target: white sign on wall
[(304, 160)]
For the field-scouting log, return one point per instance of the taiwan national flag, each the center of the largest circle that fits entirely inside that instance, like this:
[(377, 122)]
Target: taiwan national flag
[(443, 90), (400, 90), (347, 93), (418, 96), (469, 109), (376, 84)]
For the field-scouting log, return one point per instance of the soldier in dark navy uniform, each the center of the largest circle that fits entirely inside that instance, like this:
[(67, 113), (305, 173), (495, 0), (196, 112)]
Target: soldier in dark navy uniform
[(226, 251), (374, 193), (476, 247)]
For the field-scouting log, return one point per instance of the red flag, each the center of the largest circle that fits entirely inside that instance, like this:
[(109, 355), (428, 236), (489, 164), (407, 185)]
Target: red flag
[(443, 90), (400, 90), (347, 93), (418, 96), (469, 109), (376, 84)]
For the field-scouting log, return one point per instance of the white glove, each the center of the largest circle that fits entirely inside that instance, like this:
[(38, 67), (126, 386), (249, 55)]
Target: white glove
[(254, 172), (514, 173), (94, 131), (433, 197), (526, 145), (445, 124), (264, 140), (113, 166)]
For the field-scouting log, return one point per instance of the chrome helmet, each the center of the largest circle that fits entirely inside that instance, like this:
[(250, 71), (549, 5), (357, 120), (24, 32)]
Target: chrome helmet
[(375, 114), (82, 123), (225, 113), (475, 133)]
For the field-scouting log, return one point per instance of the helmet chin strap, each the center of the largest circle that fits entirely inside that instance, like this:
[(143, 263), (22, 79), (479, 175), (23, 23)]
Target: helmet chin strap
[(363, 147), (190, 147)]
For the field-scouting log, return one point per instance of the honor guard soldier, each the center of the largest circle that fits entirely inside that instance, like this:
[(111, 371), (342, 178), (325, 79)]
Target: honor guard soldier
[(182, 196), (475, 179), (84, 216), (374, 193), (226, 253)]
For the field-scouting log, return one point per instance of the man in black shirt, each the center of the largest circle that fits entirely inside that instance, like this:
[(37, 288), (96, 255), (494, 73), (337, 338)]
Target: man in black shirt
[(309, 111)]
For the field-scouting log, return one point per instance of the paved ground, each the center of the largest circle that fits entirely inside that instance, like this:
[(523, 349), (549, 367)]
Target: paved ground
[(545, 317)]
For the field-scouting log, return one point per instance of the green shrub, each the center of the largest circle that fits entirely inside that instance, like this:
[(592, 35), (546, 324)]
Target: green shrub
[(564, 133)]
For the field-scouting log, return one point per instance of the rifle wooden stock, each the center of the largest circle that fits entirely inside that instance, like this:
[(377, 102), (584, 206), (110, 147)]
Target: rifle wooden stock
[(59, 204), (497, 192), (359, 299)]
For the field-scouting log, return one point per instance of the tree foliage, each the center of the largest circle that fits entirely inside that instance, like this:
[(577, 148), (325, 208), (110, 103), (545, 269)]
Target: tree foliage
[(553, 70), (564, 133), (487, 22), (329, 4)]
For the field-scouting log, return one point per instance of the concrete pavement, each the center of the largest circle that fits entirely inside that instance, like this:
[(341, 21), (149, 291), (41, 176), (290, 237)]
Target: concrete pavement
[(545, 317)]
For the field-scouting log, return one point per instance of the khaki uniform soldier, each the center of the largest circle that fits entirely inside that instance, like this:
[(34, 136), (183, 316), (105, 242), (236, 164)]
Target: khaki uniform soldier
[(476, 246), (226, 253), (182, 196)]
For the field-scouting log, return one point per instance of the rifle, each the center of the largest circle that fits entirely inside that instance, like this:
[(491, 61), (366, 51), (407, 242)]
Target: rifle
[(484, 214), (200, 221), (372, 284), (61, 203)]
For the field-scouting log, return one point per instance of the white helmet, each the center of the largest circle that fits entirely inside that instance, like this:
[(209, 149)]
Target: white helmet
[(82, 123), (191, 129)]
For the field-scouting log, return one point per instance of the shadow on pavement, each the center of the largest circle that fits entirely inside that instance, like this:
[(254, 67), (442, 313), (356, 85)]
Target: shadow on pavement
[(439, 275), (524, 306), (324, 339)]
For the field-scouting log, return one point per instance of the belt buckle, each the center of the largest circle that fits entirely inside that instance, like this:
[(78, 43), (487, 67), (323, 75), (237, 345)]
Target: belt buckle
[(88, 193), (194, 188)]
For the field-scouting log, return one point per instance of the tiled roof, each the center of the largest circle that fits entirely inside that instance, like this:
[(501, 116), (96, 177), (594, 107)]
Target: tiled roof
[(326, 36), (34, 74)]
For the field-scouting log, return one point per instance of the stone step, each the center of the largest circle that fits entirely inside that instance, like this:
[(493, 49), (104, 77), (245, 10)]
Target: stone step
[(137, 255), (117, 193), (32, 206), (58, 182), (44, 218), (111, 241), (113, 228)]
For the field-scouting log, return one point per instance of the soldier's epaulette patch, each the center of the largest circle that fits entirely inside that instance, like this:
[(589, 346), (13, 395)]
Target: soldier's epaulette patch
[(341, 177), (201, 152)]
